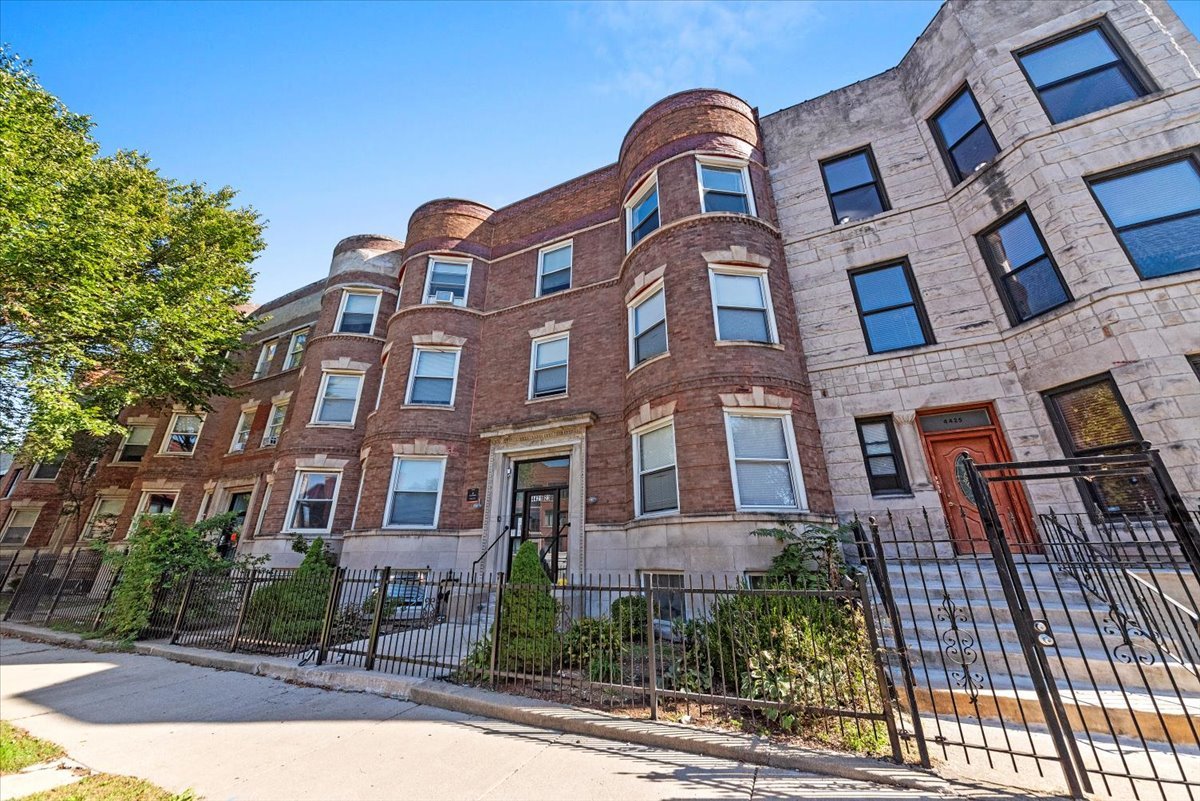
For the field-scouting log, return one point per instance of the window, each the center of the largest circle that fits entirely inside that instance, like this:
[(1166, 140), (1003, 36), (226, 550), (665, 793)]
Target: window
[(1194, 361), (765, 466), (889, 308), (1090, 419), (648, 328), (103, 518), (46, 471), (274, 424), (1025, 274), (724, 186), (434, 374), (963, 136), (853, 186), (382, 379), (548, 367), (655, 488), (641, 214), (241, 434), (135, 444), (1155, 212), (338, 402), (357, 315), (265, 357), (447, 282), (296, 349), (668, 596), (12, 482), (554, 268), (183, 434), (20, 523), (1078, 74), (416, 493), (157, 503), (742, 305), (313, 500), (881, 454)]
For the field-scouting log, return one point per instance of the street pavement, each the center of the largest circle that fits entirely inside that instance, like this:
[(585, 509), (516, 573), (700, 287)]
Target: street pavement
[(227, 735)]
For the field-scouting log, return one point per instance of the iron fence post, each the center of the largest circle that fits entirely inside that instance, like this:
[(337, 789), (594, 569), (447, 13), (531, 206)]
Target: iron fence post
[(107, 598), (887, 690), (494, 656), (12, 563), (377, 619), (241, 617), (651, 661), (62, 583), (1177, 514), (335, 588), (183, 605)]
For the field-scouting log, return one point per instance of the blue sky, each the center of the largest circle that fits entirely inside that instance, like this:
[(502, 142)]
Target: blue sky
[(334, 119)]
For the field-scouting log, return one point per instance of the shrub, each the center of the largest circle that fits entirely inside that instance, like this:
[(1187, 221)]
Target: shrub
[(292, 610), (596, 645), (528, 640), (629, 617)]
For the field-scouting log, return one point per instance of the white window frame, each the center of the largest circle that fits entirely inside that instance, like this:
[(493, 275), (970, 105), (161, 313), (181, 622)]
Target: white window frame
[(635, 440), (12, 516), (166, 440), (533, 348), (541, 266), (382, 378), (292, 361), (291, 507), (646, 294), (265, 357), (275, 407), (391, 491), (412, 375), (648, 185), (246, 421), (125, 441), (725, 163), (38, 466), (320, 404), (144, 502), (365, 292), (425, 297), (87, 532), (761, 274), (789, 437)]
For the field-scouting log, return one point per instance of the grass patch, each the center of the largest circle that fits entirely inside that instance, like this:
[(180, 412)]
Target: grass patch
[(106, 787), (20, 749)]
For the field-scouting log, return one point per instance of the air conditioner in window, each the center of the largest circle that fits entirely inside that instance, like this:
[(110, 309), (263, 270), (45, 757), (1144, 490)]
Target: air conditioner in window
[(443, 296)]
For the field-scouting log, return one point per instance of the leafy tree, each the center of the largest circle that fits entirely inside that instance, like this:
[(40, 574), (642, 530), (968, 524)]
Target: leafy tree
[(120, 286)]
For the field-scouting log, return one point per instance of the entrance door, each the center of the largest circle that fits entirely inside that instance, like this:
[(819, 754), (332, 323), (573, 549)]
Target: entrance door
[(239, 502), (540, 512)]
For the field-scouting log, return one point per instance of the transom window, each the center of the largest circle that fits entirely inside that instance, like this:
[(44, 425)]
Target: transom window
[(765, 466), (338, 401), (241, 434), (1080, 73), (265, 357), (963, 136), (357, 315), (183, 434), (103, 518), (434, 374), (296, 349), (313, 501), (889, 308), (416, 493), (548, 370), (447, 281), (554, 268), (725, 187), (853, 186), (135, 445), (1155, 212), (742, 305), (1025, 274), (648, 327), (16, 529), (656, 487), (274, 424), (46, 471), (641, 215), (881, 454)]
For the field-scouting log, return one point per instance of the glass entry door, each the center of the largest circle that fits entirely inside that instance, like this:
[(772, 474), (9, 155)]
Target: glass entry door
[(540, 512)]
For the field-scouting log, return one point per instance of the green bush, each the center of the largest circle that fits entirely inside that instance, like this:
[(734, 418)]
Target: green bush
[(629, 617), (528, 613), (596, 645), (292, 610)]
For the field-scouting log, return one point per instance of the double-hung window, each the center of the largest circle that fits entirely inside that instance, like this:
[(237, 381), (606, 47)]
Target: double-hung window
[(314, 497), (742, 305), (135, 444), (46, 471), (357, 315), (963, 136), (889, 308), (183, 434), (648, 327), (548, 367), (554, 268), (103, 518), (656, 488), (762, 451), (296, 346), (337, 403), (416, 494), (881, 454), (641, 213), (16, 529), (725, 186), (1022, 267), (433, 376), (274, 424), (1155, 212), (157, 503), (265, 357), (1079, 73), (446, 281), (853, 186), (241, 434)]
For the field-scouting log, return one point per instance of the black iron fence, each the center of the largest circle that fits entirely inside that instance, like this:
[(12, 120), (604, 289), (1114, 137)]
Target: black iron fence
[(64, 590)]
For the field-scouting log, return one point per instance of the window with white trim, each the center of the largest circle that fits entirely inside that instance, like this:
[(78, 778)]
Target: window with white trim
[(554, 268), (382, 378), (16, 529), (265, 357), (274, 424), (641, 214), (656, 486), (742, 305), (314, 496), (766, 469), (241, 434), (182, 434), (156, 503), (46, 471), (548, 366), (337, 403), (433, 377), (103, 519), (357, 313), (724, 186), (447, 281), (135, 444), (12, 482), (648, 327), (416, 492), (296, 347)]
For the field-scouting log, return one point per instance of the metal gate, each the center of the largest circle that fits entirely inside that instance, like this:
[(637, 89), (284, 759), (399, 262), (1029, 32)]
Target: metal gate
[(1071, 663)]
